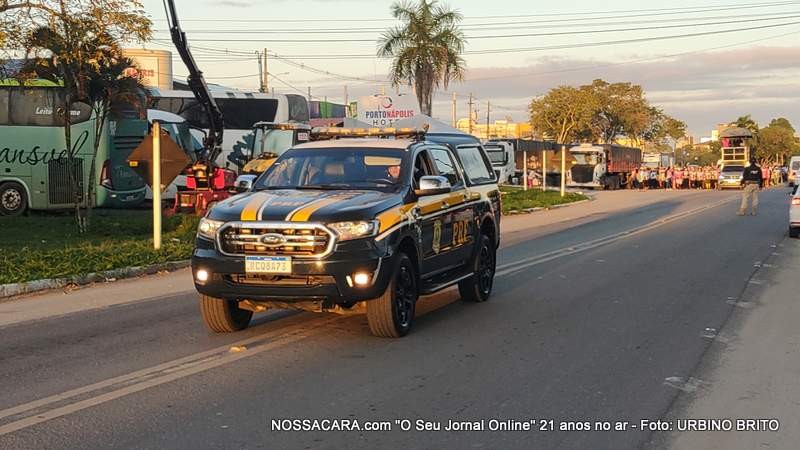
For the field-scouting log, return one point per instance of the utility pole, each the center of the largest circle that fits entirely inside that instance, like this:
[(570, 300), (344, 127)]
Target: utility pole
[(261, 75), (309, 93), (471, 103), (488, 111), (455, 119), (346, 102), (266, 72)]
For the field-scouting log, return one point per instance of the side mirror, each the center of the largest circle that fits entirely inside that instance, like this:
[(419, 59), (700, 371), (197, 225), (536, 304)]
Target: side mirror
[(244, 183), (433, 185)]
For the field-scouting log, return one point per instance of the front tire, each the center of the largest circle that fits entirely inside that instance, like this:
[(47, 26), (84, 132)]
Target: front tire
[(223, 316), (13, 199), (478, 287), (392, 314)]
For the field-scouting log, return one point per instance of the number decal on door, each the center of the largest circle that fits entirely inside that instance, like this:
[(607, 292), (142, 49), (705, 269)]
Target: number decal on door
[(460, 232)]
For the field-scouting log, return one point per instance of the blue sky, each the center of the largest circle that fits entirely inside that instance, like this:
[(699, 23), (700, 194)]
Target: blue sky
[(700, 79)]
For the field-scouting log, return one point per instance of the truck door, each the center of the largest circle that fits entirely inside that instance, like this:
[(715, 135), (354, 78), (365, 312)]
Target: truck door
[(457, 215)]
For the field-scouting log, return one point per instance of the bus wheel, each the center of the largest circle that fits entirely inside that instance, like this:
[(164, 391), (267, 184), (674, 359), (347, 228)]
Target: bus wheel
[(13, 199)]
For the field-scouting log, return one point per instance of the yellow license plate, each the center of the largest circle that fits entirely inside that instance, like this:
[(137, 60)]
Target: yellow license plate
[(268, 264)]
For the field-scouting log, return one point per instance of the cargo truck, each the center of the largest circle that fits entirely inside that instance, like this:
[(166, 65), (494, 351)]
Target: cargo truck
[(602, 166)]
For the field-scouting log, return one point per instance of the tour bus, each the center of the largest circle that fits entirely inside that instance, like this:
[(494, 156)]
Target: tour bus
[(240, 110), (35, 170)]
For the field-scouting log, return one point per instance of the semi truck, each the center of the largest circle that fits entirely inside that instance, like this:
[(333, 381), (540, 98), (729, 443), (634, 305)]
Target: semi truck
[(657, 160), (602, 166)]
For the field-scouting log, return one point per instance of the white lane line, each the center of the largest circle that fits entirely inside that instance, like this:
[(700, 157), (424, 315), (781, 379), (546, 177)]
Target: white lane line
[(517, 266), (160, 374)]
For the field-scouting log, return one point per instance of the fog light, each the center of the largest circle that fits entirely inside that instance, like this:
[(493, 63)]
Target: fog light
[(361, 278), (201, 275)]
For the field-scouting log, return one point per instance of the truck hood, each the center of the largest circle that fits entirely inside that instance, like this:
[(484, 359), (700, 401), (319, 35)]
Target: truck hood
[(305, 205)]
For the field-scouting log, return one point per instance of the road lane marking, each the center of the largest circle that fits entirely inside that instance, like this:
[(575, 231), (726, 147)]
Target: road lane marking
[(160, 374), (186, 366), (517, 266)]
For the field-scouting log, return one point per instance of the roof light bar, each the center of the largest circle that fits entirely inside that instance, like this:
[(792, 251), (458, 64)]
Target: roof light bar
[(322, 133)]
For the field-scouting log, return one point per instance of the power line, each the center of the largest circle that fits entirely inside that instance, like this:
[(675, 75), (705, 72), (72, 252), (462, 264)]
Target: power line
[(506, 36), (652, 12), (490, 26)]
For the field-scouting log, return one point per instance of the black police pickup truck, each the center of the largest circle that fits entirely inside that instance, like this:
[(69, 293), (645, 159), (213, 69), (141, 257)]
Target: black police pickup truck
[(351, 225)]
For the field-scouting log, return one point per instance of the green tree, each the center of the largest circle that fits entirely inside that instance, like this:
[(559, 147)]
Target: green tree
[(75, 44), (426, 48), (782, 122), (564, 114), (775, 144), (748, 123), (622, 110)]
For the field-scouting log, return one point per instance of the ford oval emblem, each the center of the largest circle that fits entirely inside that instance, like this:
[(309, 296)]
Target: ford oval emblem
[(273, 239)]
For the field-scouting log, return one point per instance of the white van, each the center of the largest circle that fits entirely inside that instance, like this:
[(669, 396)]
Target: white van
[(794, 170)]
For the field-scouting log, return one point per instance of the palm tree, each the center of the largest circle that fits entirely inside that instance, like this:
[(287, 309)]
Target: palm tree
[(426, 48)]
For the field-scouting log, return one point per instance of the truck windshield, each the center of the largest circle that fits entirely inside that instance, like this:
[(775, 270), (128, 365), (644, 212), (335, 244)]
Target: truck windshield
[(496, 155), (795, 165), (335, 168), (585, 158), (272, 142)]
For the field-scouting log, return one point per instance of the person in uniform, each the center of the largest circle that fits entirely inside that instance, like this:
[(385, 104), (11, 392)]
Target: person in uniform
[(752, 181)]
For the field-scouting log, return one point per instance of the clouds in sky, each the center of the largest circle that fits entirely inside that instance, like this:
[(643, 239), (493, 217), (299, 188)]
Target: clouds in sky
[(701, 89)]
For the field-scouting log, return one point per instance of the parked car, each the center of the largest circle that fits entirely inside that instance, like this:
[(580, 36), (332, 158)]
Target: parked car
[(731, 176)]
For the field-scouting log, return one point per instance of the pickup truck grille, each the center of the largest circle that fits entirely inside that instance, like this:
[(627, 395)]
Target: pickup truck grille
[(275, 239)]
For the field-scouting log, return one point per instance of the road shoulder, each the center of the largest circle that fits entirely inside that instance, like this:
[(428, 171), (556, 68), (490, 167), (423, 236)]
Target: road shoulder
[(750, 371)]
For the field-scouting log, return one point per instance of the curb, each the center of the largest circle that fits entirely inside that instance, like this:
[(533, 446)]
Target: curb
[(16, 289), (517, 212)]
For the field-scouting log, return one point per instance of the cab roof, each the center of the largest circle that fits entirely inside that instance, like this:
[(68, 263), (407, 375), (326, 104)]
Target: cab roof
[(398, 144)]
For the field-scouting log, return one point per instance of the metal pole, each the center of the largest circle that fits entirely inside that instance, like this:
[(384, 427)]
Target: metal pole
[(346, 102), (524, 170), (563, 170), (260, 74), (455, 119), (266, 72), (156, 185), (309, 93), (544, 171), (470, 113), (488, 110)]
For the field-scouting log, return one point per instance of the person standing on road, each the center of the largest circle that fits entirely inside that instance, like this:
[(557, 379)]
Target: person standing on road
[(753, 181)]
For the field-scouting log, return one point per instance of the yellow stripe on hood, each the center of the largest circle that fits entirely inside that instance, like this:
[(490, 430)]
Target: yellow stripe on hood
[(304, 213)]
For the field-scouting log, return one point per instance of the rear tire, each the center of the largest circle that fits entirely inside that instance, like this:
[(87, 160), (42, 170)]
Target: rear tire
[(794, 232), (478, 287), (223, 316), (392, 314), (13, 199)]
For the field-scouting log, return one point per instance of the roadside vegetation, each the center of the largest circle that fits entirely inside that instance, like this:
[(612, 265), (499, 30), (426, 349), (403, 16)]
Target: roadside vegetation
[(46, 246), (517, 199)]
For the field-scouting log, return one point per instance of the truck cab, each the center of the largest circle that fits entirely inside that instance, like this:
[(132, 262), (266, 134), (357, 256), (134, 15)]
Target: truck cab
[(501, 154), (355, 221), (270, 140)]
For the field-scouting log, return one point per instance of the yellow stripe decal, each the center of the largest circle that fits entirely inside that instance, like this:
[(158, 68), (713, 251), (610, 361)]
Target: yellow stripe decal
[(392, 217), (250, 211), (303, 214)]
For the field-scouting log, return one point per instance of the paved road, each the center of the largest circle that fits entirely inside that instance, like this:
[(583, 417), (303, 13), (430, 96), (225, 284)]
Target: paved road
[(593, 310)]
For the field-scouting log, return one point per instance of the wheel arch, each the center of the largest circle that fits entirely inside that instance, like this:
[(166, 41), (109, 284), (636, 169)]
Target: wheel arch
[(24, 184)]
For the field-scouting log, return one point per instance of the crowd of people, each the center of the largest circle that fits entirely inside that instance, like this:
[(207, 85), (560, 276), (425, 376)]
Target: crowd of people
[(693, 177)]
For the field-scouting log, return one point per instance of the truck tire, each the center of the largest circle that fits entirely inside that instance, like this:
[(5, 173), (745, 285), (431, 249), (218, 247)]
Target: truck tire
[(13, 199), (392, 314), (223, 316), (478, 287)]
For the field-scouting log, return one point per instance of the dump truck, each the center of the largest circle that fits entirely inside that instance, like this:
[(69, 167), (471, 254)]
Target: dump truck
[(602, 166)]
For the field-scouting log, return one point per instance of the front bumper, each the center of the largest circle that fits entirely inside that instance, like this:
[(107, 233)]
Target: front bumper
[(724, 183), (326, 281)]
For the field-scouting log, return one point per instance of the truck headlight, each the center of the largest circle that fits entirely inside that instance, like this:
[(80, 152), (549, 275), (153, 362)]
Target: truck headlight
[(354, 230), (208, 228)]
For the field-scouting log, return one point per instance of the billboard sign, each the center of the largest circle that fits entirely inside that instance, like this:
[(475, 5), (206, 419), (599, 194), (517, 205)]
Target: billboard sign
[(384, 110)]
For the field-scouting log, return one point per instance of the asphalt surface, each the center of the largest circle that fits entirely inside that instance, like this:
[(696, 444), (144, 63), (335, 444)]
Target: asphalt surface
[(587, 321)]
